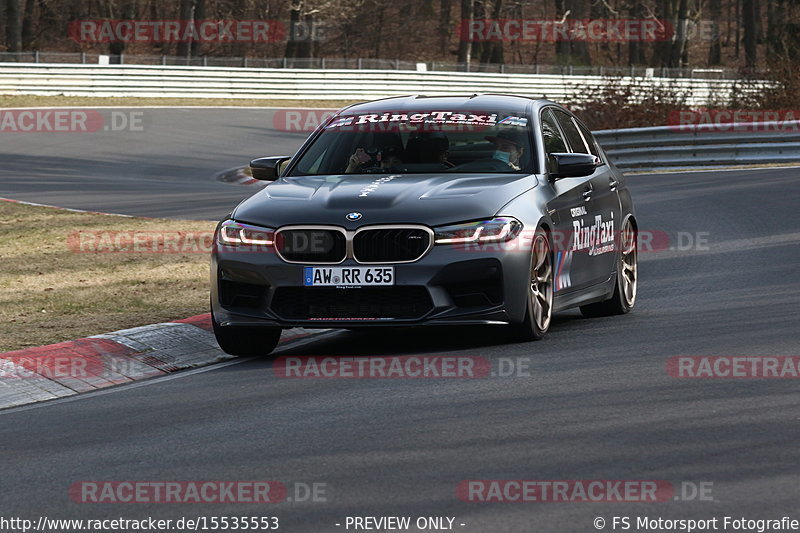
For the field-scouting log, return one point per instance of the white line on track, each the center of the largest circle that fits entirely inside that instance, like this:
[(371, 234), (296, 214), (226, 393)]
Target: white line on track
[(667, 171)]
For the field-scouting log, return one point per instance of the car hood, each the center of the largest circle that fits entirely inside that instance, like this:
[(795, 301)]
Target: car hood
[(430, 199)]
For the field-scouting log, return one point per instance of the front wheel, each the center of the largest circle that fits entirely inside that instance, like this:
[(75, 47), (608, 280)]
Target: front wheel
[(539, 303), (246, 341), (624, 297)]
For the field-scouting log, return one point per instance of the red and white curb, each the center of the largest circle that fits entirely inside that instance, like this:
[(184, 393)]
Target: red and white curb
[(84, 365)]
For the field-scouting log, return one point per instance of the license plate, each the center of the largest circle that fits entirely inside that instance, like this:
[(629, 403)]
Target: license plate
[(347, 276)]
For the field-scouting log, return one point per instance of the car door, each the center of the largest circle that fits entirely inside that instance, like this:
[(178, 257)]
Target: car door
[(567, 204), (596, 229)]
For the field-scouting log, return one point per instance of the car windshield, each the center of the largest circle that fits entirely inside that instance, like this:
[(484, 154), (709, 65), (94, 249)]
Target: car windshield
[(420, 142)]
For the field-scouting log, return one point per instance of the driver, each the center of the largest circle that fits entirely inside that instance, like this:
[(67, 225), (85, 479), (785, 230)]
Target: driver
[(430, 148), (508, 147), (373, 159)]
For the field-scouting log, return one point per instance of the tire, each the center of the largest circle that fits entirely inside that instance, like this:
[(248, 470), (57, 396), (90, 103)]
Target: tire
[(625, 286), (246, 341), (539, 303)]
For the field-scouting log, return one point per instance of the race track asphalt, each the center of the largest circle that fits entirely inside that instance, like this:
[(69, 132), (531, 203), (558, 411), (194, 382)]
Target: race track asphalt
[(166, 167), (595, 403)]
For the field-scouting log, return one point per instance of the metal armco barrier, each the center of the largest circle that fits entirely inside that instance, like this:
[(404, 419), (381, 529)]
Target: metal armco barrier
[(297, 84), (707, 145)]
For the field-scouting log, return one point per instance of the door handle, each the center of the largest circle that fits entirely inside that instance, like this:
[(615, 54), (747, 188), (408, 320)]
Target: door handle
[(612, 183), (587, 194)]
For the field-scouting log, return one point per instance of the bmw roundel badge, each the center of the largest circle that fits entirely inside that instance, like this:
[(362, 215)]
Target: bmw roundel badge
[(353, 216)]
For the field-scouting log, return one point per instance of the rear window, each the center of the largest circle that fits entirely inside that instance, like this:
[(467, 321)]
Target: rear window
[(420, 142)]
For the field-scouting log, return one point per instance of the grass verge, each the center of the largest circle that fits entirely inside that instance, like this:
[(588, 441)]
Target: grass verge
[(56, 287), (88, 101)]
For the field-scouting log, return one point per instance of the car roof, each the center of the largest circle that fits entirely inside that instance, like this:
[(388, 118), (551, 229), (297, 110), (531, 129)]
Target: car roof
[(476, 102)]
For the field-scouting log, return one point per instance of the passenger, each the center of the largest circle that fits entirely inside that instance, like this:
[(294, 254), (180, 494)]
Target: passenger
[(509, 146)]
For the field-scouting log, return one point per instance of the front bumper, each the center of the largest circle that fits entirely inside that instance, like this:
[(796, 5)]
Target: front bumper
[(448, 286)]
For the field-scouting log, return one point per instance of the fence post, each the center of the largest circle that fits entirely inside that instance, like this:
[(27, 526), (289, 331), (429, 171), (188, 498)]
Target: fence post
[(83, 58), (121, 58), (36, 56), (359, 63)]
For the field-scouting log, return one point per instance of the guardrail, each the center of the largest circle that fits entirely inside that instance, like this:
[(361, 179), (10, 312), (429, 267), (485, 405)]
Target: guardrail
[(704, 145), (302, 84), (368, 63)]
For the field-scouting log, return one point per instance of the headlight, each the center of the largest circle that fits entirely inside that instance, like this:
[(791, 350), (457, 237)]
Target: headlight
[(235, 234), (500, 229)]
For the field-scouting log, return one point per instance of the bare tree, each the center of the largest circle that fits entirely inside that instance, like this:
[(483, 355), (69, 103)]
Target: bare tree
[(715, 48), (186, 16), (27, 24), (572, 51), (445, 21), (13, 28), (199, 14), (465, 43), (750, 25)]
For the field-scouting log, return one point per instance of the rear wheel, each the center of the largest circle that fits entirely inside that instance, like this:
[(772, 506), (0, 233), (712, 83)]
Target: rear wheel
[(246, 341), (624, 296), (539, 304)]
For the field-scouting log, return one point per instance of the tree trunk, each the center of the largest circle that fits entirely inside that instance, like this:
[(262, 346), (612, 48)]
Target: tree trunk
[(749, 16), (636, 52), (572, 52), (715, 47), (493, 51), (738, 26), (465, 45), (27, 24), (199, 14), (680, 44), (13, 29), (294, 19), (186, 16), (445, 15)]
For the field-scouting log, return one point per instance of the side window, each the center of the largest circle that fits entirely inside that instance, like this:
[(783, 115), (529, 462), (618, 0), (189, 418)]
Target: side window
[(589, 138), (571, 131), (553, 142)]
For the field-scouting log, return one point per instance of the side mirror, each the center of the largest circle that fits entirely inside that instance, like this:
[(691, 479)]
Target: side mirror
[(268, 168), (564, 165)]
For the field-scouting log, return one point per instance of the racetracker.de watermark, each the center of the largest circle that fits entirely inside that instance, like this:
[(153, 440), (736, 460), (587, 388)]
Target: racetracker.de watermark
[(300, 120), (203, 492), (400, 366), (177, 31), (159, 492), (582, 491), (734, 367), (137, 241), (734, 120), (72, 120), (589, 239), (595, 238), (556, 30)]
